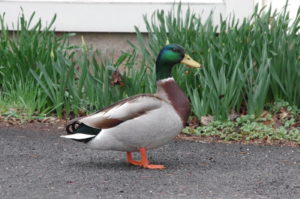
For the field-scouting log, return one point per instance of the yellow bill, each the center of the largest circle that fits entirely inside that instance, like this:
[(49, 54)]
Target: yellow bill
[(189, 62)]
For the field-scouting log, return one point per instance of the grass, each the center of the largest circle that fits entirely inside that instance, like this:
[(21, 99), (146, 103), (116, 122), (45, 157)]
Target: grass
[(85, 85), (247, 63), (41, 73), (24, 51)]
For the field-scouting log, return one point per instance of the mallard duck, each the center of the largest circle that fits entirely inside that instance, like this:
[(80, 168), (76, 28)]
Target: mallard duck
[(140, 122)]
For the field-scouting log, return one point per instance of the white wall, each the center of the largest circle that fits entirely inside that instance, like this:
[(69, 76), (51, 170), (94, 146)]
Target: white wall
[(293, 5), (123, 15), (113, 15)]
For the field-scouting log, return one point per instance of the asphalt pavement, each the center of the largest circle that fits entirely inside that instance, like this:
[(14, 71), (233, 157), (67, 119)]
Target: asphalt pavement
[(37, 165)]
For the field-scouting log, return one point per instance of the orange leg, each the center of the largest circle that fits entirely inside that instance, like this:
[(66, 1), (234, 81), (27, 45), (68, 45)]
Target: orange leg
[(131, 161), (144, 160)]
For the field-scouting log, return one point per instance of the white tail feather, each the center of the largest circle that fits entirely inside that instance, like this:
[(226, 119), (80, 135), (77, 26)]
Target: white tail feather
[(77, 136)]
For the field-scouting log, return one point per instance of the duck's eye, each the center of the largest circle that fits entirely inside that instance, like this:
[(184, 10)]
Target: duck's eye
[(175, 50)]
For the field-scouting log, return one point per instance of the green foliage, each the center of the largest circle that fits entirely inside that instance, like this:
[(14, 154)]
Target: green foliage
[(31, 48), (40, 72), (24, 49), (247, 63), (87, 86), (280, 122), (23, 100), (289, 114), (246, 127)]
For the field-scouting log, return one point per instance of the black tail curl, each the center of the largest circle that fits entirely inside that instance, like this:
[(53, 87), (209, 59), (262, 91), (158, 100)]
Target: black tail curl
[(72, 127), (79, 127)]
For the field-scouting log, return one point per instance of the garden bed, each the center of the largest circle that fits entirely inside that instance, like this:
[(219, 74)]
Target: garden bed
[(252, 69), (55, 125)]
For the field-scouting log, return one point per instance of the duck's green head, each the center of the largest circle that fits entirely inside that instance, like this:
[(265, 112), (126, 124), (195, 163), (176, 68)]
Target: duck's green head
[(169, 56)]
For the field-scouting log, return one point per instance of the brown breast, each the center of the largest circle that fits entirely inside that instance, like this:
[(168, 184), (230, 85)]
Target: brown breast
[(167, 88)]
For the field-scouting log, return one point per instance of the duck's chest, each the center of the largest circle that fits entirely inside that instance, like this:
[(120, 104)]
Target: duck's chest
[(170, 91)]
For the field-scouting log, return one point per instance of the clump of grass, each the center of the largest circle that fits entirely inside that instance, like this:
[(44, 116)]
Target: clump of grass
[(28, 49), (22, 50), (26, 99), (85, 85), (248, 63), (42, 73)]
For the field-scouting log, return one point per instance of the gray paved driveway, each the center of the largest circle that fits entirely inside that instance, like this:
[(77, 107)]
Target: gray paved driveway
[(42, 165)]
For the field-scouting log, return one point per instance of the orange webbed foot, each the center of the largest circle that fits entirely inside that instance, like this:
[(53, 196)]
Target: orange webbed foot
[(144, 161), (154, 166)]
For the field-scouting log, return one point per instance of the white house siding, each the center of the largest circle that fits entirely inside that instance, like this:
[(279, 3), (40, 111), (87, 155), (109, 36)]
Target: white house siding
[(108, 24), (113, 15)]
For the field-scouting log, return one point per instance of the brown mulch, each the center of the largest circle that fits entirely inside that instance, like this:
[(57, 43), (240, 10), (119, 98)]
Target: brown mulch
[(46, 125), (216, 139), (55, 125)]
